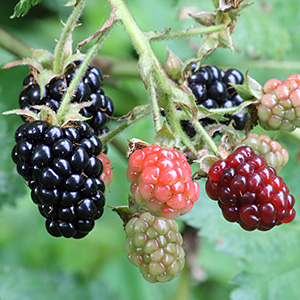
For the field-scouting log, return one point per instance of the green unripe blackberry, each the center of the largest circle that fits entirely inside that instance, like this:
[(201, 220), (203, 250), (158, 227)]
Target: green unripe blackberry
[(155, 246)]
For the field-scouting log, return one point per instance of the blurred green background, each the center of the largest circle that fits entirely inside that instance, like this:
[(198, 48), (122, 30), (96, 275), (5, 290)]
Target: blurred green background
[(229, 263)]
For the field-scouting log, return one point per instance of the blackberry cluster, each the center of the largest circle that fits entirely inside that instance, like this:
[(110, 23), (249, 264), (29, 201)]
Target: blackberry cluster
[(249, 192), (155, 246), (63, 173), (90, 88), (212, 88)]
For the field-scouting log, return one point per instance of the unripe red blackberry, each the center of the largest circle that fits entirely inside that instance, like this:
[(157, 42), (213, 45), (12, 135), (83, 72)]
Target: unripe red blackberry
[(161, 181), (155, 246), (275, 155), (63, 173), (249, 192), (90, 88), (279, 107)]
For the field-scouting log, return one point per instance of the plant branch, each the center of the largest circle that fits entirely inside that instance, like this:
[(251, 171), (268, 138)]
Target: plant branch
[(107, 28), (65, 35), (13, 45), (155, 107), (136, 115), (184, 34)]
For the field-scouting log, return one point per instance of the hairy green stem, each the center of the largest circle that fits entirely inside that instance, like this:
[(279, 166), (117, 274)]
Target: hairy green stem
[(184, 34), (13, 45), (149, 66), (67, 31), (137, 115), (155, 107), (72, 87)]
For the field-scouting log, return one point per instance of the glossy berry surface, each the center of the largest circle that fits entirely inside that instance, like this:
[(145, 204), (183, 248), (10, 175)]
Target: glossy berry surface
[(249, 192), (275, 155), (63, 175), (90, 88), (155, 246), (212, 89), (279, 107), (161, 181)]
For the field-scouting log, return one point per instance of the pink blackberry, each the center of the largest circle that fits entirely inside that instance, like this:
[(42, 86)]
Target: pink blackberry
[(279, 107), (249, 192), (155, 246), (161, 181)]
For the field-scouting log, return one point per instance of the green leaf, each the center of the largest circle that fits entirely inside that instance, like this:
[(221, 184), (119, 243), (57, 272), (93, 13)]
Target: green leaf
[(164, 137), (22, 8)]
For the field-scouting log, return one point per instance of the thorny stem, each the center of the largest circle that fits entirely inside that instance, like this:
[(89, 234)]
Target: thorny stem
[(67, 31), (151, 71), (155, 107), (72, 87), (184, 34)]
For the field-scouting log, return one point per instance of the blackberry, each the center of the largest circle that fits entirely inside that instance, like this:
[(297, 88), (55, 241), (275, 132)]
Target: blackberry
[(90, 88), (63, 174), (155, 246), (249, 191), (275, 155), (212, 88), (161, 181)]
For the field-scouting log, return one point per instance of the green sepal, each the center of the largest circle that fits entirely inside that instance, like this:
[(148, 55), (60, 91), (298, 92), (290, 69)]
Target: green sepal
[(71, 59), (243, 91), (225, 40), (254, 87), (72, 114), (173, 66), (22, 112), (234, 12), (204, 18), (43, 79), (164, 137), (43, 57)]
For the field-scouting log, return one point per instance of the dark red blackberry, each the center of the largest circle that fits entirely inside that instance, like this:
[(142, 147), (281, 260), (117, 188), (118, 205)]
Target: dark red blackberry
[(90, 88), (249, 192), (212, 88), (63, 173)]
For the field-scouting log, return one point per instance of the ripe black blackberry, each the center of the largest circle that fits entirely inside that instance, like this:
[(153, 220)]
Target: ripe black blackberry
[(63, 173), (90, 88), (212, 88)]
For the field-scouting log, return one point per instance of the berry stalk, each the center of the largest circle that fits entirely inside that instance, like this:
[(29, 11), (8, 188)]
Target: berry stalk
[(81, 70), (188, 33), (136, 115), (65, 35)]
